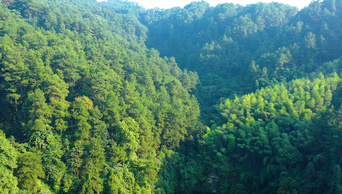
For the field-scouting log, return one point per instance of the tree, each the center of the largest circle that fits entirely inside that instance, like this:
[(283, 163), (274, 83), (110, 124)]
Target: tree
[(57, 92), (93, 167), (36, 114), (8, 163), (52, 160), (30, 171), (81, 107)]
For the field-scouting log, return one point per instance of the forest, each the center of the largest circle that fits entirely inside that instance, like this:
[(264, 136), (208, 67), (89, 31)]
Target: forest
[(110, 97)]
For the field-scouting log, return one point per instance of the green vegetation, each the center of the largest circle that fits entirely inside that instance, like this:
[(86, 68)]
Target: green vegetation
[(237, 50), (87, 105)]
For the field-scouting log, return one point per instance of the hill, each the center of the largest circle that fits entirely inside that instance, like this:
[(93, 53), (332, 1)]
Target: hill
[(107, 97)]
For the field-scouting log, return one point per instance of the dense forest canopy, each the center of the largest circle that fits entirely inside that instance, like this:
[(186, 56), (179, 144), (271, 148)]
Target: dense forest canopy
[(258, 45), (107, 97)]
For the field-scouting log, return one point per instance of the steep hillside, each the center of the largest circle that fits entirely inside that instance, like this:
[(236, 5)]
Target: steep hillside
[(236, 50), (86, 107)]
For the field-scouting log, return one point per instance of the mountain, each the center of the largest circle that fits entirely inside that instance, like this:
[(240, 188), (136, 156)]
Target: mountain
[(107, 97), (86, 106), (236, 50)]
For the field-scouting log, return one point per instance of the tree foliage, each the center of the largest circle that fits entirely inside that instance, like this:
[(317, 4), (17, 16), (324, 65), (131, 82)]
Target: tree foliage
[(88, 105)]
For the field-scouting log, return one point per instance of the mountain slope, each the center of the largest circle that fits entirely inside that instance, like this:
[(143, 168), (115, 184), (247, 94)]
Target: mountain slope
[(91, 109)]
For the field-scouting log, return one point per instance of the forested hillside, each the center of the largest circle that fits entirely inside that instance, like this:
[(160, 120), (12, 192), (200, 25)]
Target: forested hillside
[(85, 106), (92, 99), (256, 45)]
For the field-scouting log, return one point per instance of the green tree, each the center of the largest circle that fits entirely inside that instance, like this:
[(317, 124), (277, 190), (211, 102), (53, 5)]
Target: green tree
[(30, 171), (37, 115), (8, 158)]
